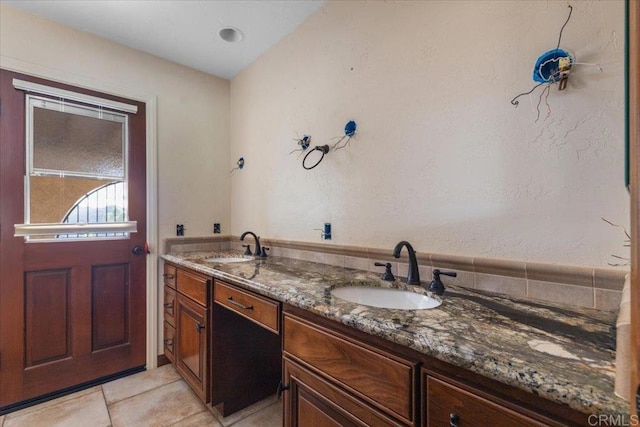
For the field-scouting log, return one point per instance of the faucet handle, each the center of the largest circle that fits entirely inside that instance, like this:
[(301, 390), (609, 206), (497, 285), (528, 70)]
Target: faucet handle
[(436, 286), (387, 275), (248, 250), (438, 272), (264, 252)]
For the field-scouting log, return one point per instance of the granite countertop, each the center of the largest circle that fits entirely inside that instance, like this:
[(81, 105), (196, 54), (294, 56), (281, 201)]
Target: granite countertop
[(563, 354)]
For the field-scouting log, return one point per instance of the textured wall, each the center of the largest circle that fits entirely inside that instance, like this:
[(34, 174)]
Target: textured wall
[(441, 157), (52, 197), (192, 112)]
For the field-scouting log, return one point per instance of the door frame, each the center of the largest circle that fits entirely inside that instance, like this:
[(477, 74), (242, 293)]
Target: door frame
[(61, 76)]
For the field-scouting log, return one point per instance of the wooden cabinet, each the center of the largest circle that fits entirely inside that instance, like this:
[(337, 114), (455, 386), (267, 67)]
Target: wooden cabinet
[(449, 405), (345, 378), (187, 326), (245, 364), (247, 355), (336, 375), (332, 374)]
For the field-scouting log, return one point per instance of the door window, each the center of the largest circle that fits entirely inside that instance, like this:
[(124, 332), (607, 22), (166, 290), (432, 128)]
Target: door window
[(76, 171)]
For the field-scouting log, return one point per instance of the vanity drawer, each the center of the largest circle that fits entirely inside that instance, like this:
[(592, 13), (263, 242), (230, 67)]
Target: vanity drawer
[(385, 381), (169, 337), (169, 275), (450, 405), (260, 310), (193, 285), (169, 306)]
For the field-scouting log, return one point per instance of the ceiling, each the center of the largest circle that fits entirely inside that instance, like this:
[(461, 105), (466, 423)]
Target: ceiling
[(182, 31)]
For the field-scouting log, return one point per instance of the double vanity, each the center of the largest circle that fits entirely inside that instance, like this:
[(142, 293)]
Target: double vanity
[(239, 328)]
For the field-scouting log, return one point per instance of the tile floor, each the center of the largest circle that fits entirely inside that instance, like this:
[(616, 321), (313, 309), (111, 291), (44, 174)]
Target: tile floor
[(152, 398)]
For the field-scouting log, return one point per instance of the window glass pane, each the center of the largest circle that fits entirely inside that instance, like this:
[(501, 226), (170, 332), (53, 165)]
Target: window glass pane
[(77, 140)]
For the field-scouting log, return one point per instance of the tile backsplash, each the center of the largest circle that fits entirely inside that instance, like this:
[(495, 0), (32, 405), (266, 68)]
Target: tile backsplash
[(574, 286)]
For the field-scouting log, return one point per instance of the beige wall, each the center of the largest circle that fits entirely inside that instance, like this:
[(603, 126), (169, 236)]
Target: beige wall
[(192, 112), (441, 158)]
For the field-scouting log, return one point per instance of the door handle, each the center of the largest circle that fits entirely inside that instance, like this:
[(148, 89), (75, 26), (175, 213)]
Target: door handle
[(137, 250)]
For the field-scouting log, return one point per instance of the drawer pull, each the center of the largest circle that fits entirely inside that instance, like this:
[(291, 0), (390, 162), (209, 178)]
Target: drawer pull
[(168, 305), (199, 327), (168, 276), (236, 303), (281, 389), (454, 420)]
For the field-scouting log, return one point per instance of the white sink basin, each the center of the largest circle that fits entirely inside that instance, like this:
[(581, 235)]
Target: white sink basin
[(386, 298), (229, 260)]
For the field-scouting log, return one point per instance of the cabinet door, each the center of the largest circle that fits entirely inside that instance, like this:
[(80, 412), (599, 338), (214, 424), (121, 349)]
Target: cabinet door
[(448, 405), (312, 401), (191, 345)]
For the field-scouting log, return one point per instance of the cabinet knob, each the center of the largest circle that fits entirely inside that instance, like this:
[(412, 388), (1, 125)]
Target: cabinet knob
[(168, 305), (168, 276), (454, 420), (199, 327)]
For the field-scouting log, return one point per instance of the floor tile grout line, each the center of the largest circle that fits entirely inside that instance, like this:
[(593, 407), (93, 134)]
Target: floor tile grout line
[(142, 392), (104, 398)]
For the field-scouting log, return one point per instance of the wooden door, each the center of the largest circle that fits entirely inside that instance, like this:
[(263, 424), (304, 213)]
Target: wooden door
[(634, 158), (72, 311)]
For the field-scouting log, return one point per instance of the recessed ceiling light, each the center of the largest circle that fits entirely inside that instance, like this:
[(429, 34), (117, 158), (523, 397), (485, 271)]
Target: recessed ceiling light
[(230, 34)]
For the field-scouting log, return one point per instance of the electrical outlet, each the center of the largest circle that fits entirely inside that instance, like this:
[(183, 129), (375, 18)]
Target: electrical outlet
[(216, 228), (327, 231)]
